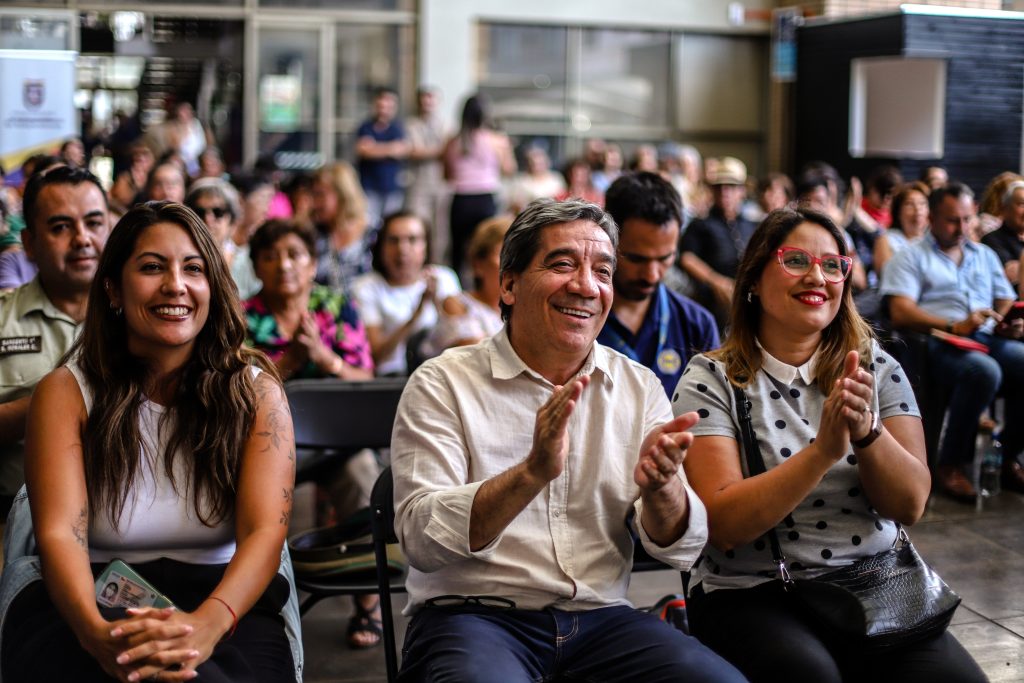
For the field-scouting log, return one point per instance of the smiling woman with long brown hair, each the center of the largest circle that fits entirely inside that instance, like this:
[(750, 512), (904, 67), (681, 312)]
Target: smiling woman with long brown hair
[(161, 441)]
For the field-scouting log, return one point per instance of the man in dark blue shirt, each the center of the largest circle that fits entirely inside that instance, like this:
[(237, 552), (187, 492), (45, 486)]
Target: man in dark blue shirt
[(649, 322), (381, 148)]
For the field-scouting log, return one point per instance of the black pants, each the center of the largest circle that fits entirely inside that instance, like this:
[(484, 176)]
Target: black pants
[(765, 635), (39, 646), (6, 502), (468, 210)]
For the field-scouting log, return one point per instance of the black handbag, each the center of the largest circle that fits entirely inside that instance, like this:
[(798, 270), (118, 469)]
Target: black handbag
[(889, 599)]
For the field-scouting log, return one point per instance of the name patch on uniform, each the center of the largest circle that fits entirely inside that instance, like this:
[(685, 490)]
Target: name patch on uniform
[(12, 345)]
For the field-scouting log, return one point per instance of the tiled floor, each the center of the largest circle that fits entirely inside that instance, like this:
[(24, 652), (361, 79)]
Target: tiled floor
[(980, 554)]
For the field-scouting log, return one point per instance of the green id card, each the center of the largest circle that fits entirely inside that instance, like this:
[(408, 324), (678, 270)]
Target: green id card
[(121, 586)]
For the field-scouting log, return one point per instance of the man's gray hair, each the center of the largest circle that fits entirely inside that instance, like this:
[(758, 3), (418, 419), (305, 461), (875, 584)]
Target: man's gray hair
[(523, 237), (1010, 190)]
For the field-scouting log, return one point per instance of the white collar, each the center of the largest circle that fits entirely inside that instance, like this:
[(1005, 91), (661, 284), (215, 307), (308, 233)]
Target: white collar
[(506, 363), (786, 373)]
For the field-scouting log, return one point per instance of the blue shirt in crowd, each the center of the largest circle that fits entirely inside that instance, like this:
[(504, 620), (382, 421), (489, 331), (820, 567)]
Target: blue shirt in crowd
[(926, 275), (673, 329), (380, 175)]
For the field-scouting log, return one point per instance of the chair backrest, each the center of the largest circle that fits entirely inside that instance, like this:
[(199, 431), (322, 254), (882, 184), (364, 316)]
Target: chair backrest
[(382, 503), (415, 349), (336, 414)]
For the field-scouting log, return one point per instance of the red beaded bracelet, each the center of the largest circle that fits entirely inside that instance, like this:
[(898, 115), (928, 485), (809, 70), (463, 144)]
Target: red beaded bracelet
[(234, 617)]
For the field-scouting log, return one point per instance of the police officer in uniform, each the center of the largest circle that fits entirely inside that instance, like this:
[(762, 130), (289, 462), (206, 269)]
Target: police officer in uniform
[(67, 223)]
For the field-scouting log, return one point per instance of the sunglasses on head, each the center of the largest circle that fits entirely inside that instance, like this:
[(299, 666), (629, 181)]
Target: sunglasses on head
[(797, 262)]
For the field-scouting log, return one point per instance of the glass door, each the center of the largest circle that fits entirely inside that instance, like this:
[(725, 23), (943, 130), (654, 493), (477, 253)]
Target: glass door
[(288, 76)]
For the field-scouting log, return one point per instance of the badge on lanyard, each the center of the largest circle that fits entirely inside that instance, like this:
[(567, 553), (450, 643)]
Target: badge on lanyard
[(669, 361)]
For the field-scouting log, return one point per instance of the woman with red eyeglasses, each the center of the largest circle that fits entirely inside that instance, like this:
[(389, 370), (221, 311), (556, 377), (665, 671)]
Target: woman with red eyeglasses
[(840, 435)]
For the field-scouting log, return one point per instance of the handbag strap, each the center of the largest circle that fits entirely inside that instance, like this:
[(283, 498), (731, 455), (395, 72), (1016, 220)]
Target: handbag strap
[(755, 466)]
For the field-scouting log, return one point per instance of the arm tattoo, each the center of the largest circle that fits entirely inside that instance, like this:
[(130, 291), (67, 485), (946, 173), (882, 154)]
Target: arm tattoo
[(286, 513), (80, 529), (278, 416)]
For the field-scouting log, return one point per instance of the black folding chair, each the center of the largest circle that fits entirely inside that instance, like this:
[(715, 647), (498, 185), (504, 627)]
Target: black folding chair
[(910, 349), (334, 419), (340, 418), (382, 503)]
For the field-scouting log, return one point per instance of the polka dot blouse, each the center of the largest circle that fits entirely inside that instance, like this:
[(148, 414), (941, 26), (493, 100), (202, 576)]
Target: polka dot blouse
[(836, 523)]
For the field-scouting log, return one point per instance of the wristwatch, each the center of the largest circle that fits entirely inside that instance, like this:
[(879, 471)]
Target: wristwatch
[(873, 433)]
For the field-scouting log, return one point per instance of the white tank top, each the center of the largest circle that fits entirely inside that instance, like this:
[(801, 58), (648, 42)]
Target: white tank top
[(156, 521)]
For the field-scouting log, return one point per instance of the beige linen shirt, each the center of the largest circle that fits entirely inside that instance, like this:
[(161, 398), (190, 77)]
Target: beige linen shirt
[(34, 335), (468, 416)]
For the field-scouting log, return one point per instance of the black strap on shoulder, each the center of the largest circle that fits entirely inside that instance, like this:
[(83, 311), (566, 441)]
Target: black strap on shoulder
[(755, 466), (751, 451)]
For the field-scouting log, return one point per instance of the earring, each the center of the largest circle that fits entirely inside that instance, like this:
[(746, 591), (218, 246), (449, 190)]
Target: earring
[(750, 297), (117, 309)]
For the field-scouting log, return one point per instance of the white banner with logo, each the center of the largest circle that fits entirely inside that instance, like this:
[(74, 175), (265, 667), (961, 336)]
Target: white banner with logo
[(37, 109)]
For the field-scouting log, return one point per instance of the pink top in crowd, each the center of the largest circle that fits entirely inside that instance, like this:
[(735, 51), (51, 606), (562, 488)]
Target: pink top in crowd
[(479, 171)]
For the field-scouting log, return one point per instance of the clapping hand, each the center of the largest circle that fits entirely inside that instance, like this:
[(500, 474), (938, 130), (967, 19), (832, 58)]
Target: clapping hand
[(662, 453), (857, 389), (551, 430), (306, 345), (429, 293), (312, 346), (846, 414), (307, 337)]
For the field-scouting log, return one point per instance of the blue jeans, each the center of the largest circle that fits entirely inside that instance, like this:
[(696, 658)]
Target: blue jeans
[(480, 645), (973, 379)]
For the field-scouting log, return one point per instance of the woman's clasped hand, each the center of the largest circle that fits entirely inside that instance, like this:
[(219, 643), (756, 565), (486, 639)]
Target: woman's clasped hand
[(164, 644), (111, 645)]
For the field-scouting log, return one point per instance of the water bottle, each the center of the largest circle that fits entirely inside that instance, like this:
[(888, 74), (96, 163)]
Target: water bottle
[(989, 479), (982, 441)]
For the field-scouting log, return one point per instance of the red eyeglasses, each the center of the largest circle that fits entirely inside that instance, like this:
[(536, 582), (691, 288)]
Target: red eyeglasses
[(797, 262)]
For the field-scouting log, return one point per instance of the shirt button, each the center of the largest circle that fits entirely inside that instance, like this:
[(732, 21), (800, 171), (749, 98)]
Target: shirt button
[(557, 513)]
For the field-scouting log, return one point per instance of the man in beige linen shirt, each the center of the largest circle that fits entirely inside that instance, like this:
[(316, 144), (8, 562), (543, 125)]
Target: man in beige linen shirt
[(518, 462)]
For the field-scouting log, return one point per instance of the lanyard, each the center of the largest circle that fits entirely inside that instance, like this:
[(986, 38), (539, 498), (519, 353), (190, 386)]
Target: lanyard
[(620, 344)]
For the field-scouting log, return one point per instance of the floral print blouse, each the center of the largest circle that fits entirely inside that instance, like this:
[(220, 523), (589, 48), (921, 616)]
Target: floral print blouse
[(337, 318)]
